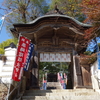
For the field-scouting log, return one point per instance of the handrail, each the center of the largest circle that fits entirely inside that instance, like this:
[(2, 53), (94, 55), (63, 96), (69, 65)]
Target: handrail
[(3, 83), (13, 91)]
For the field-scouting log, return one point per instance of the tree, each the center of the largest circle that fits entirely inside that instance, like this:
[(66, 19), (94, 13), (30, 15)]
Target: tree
[(53, 67), (23, 11), (69, 7), (7, 43), (91, 8)]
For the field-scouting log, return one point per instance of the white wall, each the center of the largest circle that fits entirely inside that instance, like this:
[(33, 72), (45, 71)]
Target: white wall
[(95, 75), (7, 69), (94, 70), (10, 51), (1, 65)]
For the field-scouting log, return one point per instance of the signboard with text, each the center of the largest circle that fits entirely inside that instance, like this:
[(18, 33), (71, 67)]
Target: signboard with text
[(22, 52), (29, 55), (55, 57)]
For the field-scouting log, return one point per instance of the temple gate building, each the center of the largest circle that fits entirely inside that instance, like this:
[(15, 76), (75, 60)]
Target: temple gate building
[(57, 34)]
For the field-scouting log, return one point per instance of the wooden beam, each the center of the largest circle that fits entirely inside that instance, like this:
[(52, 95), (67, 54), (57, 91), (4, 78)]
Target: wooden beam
[(44, 39), (76, 31), (53, 49)]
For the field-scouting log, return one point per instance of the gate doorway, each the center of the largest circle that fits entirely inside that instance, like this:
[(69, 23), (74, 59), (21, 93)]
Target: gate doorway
[(51, 77), (49, 70)]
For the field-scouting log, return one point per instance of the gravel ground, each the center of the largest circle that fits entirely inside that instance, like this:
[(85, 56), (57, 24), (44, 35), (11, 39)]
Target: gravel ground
[(3, 91)]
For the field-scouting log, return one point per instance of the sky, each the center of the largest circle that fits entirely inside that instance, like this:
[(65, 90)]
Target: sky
[(4, 35)]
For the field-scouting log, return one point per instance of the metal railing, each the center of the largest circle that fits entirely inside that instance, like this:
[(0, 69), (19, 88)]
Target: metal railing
[(1, 82), (3, 91), (16, 90)]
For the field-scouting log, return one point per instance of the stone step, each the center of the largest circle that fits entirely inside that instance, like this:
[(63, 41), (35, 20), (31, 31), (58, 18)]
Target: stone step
[(67, 97), (59, 90), (70, 94), (55, 85), (61, 94), (54, 88)]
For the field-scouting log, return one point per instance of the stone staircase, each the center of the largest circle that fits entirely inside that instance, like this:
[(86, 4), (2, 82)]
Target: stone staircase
[(54, 85), (61, 94)]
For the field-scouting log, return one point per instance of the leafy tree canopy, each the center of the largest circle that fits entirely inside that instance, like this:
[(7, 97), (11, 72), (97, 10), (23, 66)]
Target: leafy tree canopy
[(69, 7), (7, 43), (54, 67), (23, 11), (91, 8)]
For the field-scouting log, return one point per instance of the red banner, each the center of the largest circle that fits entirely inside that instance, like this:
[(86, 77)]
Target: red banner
[(20, 60)]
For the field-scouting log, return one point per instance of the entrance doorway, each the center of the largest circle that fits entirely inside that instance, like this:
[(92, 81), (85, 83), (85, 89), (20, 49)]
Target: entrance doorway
[(55, 65), (51, 77), (49, 71)]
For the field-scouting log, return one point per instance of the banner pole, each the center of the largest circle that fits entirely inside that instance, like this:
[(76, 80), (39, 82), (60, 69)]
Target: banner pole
[(4, 16), (2, 24)]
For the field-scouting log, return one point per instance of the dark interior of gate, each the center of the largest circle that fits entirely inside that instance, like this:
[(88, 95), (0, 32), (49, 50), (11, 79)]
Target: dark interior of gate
[(56, 34)]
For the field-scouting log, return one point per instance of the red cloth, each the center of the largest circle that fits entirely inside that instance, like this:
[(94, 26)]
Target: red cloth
[(58, 76), (45, 81), (62, 81), (20, 60)]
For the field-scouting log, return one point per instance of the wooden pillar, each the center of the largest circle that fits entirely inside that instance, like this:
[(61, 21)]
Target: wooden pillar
[(74, 74), (26, 75), (71, 69), (38, 66), (86, 75), (78, 72), (78, 81)]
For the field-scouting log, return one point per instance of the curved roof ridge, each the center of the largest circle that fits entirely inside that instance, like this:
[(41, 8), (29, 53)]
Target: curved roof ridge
[(56, 15), (65, 16)]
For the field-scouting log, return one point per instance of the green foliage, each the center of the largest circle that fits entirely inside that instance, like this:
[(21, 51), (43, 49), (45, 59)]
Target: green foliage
[(41, 5), (99, 45), (1, 51), (23, 11), (87, 52), (69, 7), (53, 67), (7, 43)]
